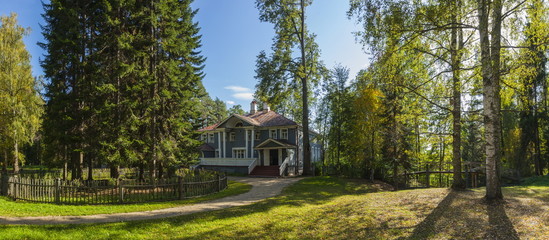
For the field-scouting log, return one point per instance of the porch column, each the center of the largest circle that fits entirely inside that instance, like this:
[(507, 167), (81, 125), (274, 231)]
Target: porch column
[(246, 139), (252, 148), (218, 144), (224, 143)]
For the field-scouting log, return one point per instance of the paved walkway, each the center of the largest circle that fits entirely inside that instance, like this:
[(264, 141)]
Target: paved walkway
[(262, 188)]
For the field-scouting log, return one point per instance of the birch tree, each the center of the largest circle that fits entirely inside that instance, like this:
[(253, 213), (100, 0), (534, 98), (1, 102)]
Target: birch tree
[(20, 104)]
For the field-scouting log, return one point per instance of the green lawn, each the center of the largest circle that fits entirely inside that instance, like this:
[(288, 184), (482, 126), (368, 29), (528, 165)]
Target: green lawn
[(331, 208), (18, 209)]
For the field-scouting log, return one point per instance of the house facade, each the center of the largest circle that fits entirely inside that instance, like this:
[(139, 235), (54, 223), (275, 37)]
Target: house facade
[(258, 143)]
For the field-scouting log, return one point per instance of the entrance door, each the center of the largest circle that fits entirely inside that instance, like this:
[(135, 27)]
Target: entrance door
[(273, 156)]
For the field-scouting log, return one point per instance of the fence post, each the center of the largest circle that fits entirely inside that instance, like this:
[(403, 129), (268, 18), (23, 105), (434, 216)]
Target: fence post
[(57, 190), (120, 191), (218, 182), (180, 185), (5, 184), (15, 186)]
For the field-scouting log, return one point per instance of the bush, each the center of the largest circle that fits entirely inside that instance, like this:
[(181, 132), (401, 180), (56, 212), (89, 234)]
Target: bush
[(536, 181)]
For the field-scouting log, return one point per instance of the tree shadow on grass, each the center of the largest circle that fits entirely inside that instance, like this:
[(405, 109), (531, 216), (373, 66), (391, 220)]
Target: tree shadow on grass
[(460, 216), (500, 227)]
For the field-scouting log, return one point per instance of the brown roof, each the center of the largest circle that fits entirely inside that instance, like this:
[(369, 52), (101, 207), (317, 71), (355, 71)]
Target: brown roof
[(259, 119), (268, 119)]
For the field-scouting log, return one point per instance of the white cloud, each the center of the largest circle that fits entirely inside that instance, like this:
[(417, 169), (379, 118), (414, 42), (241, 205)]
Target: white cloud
[(231, 102), (238, 89), (244, 96)]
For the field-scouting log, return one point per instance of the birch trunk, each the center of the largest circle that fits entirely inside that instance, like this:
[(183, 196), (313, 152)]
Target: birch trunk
[(490, 61)]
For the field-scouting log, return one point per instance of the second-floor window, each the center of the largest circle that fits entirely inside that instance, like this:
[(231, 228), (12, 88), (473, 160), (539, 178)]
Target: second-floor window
[(284, 133), (257, 135), (272, 134), (232, 136), (210, 137)]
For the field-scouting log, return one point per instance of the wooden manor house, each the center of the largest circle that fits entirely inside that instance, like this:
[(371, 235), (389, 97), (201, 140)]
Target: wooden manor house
[(260, 143)]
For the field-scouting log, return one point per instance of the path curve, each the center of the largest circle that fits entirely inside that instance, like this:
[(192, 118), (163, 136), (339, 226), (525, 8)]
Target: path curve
[(262, 188)]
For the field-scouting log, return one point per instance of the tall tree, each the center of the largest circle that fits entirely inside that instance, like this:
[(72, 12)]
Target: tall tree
[(490, 18), (284, 72), (20, 104), (140, 108)]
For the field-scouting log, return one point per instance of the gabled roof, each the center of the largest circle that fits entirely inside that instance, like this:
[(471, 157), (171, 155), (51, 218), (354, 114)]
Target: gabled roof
[(271, 143), (258, 119)]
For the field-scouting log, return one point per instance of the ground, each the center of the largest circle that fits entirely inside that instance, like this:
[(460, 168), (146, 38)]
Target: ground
[(332, 208)]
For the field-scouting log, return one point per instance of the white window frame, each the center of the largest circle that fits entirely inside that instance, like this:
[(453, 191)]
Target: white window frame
[(272, 134), (211, 138), (283, 132), (232, 136), (239, 153), (258, 135)]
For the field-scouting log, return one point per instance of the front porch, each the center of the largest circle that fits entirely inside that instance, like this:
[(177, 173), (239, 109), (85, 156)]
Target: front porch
[(232, 165)]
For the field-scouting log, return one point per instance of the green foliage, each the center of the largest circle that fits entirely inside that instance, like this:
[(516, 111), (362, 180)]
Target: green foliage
[(236, 109), (536, 181), (20, 104), (124, 80)]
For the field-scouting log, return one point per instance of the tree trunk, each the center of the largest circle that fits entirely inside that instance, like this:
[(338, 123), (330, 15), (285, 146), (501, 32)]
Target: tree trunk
[(457, 45), (15, 157), (305, 97), (90, 168), (5, 165), (490, 64)]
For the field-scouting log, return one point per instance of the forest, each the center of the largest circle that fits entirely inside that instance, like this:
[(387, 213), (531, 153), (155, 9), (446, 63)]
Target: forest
[(453, 86)]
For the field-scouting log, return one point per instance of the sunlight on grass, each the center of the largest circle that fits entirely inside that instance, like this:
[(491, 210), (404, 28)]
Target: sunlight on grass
[(20, 209), (332, 208)]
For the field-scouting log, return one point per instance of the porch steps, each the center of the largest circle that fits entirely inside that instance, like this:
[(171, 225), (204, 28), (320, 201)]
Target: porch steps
[(265, 171)]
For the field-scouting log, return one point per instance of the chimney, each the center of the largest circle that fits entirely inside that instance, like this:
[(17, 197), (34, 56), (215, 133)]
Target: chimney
[(266, 107), (253, 107)]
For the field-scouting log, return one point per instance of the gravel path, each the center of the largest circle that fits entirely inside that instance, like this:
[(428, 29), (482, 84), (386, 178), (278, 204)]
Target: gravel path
[(262, 188)]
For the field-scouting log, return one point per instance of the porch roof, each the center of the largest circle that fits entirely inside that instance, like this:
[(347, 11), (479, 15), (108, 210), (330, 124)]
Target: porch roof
[(271, 143)]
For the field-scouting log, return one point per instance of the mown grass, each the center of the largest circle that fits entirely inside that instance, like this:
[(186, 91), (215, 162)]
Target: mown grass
[(331, 208), (19, 209)]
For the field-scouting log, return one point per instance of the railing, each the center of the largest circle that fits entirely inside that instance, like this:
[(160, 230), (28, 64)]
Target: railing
[(283, 166), (112, 191), (244, 162), (252, 166)]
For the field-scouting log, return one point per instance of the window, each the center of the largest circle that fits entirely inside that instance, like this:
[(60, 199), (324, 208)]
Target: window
[(239, 124), (239, 153), (272, 134), (203, 137), (217, 153), (284, 133), (249, 135), (232, 136), (257, 135), (211, 138)]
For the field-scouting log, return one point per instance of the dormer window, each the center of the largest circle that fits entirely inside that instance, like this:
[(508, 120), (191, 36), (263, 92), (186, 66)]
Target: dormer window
[(232, 136), (239, 124)]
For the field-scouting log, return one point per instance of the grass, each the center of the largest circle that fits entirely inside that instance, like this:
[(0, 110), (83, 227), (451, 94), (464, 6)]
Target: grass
[(20, 209), (332, 208)]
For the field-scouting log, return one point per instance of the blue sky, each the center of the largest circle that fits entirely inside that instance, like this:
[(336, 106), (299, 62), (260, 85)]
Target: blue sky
[(232, 36)]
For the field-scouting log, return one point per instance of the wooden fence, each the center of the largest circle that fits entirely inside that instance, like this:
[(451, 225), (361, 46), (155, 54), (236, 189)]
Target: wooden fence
[(110, 191)]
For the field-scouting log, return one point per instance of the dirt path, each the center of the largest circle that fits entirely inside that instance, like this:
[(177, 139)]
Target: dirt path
[(262, 188)]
